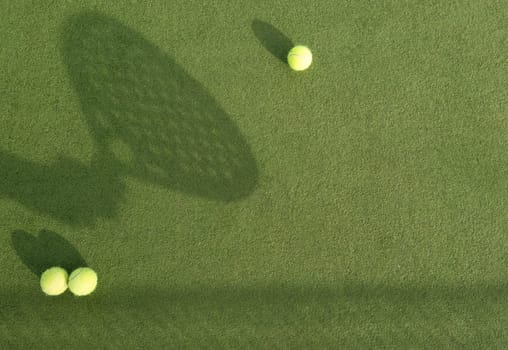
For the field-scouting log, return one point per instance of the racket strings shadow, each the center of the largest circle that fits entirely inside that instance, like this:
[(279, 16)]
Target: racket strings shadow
[(173, 132), (149, 119)]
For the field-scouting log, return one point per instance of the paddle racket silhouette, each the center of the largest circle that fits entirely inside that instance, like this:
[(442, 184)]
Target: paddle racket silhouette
[(150, 117)]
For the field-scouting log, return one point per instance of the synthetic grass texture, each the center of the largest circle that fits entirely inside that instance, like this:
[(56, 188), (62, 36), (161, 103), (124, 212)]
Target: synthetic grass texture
[(228, 202)]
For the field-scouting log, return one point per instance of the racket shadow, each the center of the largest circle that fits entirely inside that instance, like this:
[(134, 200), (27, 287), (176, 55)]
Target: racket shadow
[(149, 119), (150, 116), (67, 190)]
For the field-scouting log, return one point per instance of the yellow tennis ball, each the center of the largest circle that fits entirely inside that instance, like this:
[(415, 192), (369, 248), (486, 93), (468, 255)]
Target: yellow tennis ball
[(82, 281), (299, 58), (54, 281)]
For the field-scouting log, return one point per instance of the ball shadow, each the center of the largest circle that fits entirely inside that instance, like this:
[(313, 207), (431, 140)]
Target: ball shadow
[(45, 250), (136, 98), (276, 42)]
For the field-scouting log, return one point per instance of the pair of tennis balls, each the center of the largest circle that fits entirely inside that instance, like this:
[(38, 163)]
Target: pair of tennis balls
[(299, 58), (81, 282)]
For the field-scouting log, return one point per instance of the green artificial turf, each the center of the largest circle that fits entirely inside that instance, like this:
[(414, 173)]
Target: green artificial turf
[(227, 202)]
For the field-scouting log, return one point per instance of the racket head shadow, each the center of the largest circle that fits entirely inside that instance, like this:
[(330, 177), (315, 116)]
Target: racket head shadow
[(146, 112)]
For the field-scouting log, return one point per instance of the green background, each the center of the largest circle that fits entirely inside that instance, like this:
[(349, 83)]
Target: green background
[(361, 204)]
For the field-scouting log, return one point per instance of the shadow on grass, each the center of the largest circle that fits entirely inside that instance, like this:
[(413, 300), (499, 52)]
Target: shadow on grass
[(276, 42), (45, 250), (148, 113), (66, 190), (349, 316), (149, 119)]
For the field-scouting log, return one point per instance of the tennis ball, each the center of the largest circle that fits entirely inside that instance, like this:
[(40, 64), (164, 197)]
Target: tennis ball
[(54, 281), (299, 58), (82, 281)]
